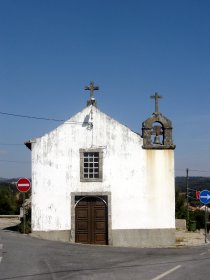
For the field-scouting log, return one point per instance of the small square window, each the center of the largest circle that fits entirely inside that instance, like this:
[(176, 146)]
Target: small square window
[(90, 165)]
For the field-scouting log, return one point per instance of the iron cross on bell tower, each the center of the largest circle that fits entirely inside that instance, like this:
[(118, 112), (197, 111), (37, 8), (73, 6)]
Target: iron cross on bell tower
[(156, 97), (91, 88), (157, 130)]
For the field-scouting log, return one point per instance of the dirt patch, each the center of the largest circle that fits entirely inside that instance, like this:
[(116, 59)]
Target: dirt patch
[(9, 222), (188, 238)]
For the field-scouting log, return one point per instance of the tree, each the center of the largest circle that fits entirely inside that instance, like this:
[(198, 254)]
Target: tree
[(180, 206), (8, 203)]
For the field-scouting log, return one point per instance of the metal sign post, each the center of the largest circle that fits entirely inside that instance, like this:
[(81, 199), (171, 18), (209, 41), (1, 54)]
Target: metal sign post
[(205, 199), (24, 216), (23, 185), (205, 224)]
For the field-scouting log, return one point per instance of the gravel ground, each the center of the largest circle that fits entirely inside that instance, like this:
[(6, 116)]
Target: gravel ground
[(188, 238), (8, 222)]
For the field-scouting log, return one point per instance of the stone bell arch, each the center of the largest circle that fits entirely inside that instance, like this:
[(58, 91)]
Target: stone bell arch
[(157, 130)]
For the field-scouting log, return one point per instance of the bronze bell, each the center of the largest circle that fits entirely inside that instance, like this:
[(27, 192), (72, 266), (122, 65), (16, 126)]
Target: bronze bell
[(157, 140)]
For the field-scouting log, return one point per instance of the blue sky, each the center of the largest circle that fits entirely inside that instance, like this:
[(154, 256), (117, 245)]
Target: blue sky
[(51, 49)]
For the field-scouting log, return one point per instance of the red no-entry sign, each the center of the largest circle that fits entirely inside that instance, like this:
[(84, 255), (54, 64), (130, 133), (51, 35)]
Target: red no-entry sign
[(23, 185)]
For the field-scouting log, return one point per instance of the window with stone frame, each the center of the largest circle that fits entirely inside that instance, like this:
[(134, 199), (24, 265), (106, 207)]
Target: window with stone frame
[(91, 165)]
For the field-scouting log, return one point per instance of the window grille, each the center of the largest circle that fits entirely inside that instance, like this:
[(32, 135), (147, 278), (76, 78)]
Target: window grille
[(90, 165)]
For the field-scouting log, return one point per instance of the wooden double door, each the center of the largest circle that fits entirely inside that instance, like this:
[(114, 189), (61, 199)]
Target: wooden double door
[(91, 220)]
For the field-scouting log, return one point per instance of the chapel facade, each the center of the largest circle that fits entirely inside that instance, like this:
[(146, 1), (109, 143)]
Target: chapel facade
[(95, 181)]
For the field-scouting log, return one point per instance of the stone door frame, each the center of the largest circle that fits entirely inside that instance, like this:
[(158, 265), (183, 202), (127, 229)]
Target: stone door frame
[(93, 194)]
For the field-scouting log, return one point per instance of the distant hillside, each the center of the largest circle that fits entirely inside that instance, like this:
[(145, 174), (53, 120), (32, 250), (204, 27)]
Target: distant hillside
[(5, 180), (195, 183)]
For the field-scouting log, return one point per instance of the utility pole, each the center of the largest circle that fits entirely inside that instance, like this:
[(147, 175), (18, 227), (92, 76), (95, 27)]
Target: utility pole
[(187, 188)]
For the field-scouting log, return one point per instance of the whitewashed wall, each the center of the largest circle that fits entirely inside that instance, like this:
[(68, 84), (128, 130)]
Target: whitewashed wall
[(160, 188), (138, 200)]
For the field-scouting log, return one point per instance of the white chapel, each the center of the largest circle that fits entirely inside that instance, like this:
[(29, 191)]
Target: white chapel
[(95, 181)]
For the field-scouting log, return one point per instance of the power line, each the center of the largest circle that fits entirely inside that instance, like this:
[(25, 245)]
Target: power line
[(199, 170), (14, 161), (10, 144), (31, 117), (42, 118), (193, 170)]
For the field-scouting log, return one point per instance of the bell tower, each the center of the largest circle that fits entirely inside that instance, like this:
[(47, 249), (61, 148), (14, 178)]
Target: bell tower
[(160, 179), (157, 130)]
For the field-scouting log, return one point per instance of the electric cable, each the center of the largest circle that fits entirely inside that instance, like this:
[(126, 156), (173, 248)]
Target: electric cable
[(41, 118)]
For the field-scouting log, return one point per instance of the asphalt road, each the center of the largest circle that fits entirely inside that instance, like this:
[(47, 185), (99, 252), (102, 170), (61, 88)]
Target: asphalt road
[(27, 258)]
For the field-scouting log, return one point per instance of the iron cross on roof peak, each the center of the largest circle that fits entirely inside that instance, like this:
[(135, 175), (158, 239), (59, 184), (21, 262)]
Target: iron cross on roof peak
[(91, 88), (156, 97)]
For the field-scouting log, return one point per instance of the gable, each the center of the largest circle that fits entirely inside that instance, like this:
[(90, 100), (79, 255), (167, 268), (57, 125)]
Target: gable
[(90, 121)]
